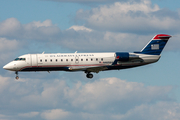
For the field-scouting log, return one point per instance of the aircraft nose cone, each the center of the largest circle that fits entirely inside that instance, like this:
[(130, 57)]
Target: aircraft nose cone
[(8, 67)]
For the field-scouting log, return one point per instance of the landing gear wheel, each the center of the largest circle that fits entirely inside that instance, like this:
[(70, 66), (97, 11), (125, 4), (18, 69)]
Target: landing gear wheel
[(17, 77), (89, 75)]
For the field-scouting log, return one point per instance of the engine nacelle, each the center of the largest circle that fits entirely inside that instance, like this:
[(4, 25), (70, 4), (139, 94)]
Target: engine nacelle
[(125, 56), (122, 56)]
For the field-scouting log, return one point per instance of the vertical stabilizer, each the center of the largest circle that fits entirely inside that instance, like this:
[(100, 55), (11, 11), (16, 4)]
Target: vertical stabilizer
[(156, 45)]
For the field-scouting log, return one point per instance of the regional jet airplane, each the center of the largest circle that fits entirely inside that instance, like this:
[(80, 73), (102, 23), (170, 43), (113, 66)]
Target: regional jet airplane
[(90, 62)]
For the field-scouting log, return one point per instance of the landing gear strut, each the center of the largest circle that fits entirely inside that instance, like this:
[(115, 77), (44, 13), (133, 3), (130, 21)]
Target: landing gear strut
[(89, 75), (17, 77)]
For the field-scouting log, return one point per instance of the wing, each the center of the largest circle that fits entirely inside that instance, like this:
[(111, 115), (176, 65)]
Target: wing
[(88, 68)]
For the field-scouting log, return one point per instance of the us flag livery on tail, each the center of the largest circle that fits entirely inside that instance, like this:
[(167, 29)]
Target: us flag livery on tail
[(90, 62)]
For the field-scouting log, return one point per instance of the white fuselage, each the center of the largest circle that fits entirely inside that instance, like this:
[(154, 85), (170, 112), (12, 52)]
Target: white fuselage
[(76, 61), (90, 62)]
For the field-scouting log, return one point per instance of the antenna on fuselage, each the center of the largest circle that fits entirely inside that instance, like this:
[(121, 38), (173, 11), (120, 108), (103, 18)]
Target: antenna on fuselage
[(43, 52), (76, 52)]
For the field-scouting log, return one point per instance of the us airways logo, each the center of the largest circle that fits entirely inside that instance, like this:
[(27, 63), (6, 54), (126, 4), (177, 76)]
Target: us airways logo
[(107, 62), (101, 62)]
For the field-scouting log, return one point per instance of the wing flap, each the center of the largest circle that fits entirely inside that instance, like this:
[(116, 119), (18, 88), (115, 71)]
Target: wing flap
[(88, 68)]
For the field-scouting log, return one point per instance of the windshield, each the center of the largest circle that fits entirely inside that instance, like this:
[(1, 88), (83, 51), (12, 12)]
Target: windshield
[(20, 59)]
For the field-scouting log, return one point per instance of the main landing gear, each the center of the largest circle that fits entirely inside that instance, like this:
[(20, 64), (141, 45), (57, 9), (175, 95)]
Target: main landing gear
[(89, 75), (17, 77)]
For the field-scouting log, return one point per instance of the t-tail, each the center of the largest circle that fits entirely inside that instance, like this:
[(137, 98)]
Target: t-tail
[(156, 45)]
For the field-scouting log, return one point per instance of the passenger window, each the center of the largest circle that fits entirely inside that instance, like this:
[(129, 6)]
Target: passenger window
[(66, 59), (40, 60), (81, 59), (61, 59), (56, 60), (71, 59), (91, 59), (45, 60), (96, 59), (51, 60), (86, 59), (101, 59)]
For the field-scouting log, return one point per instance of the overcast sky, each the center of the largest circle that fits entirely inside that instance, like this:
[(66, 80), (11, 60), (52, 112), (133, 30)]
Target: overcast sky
[(61, 26)]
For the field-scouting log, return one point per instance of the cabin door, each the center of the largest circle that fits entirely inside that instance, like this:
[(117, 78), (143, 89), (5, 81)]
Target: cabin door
[(34, 60)]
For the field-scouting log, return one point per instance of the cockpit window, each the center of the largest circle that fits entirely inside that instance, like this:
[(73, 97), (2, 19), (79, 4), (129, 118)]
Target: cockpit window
[(20, 59), (16, 59)]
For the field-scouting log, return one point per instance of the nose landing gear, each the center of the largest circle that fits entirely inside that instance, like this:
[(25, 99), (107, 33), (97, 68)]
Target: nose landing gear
[(17, 77)]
